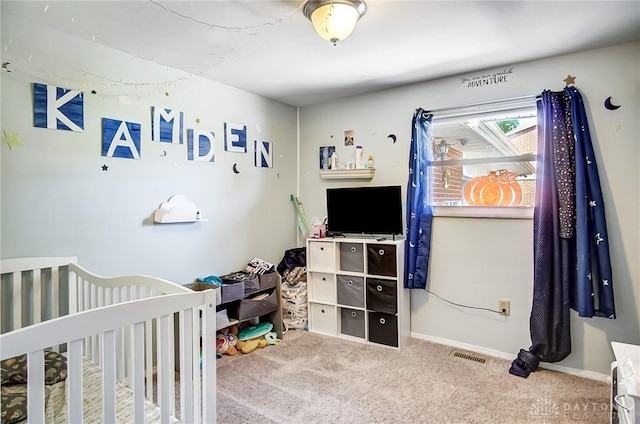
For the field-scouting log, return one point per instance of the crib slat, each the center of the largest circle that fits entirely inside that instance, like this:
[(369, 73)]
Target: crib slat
[(35, 386), (163, 368), (209, 360), (108, 377), (172, 361), (17, 303), (120, 342), (73, 292), (37, 296), (136, 375), (148, 349), (74, 380), (126, 343), (87, 345), (197, 364), (186, 364), (95, 355), (55, 292)]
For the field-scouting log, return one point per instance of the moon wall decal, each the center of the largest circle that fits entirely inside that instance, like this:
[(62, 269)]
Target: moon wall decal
[(235, 168), (609, 105), (392, 137)]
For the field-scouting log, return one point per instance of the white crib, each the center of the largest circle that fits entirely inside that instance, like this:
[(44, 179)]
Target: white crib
[(136, 331)]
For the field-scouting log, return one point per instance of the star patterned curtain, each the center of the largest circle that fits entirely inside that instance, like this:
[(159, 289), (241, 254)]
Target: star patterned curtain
[(572, 267), (419, 209)]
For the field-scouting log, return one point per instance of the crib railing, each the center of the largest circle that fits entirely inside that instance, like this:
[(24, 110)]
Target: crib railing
[(89, 291), (30, 290), (104, 322), (34, 290)]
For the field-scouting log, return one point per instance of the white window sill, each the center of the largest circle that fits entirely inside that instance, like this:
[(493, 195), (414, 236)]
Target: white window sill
[(507, 212)]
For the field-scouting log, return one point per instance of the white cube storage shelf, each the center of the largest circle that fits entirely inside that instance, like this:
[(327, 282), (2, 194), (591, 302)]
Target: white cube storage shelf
[(356, 290)]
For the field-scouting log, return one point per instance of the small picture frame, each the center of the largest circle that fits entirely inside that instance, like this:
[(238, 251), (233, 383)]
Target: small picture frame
[(325, 157), (348, 138)]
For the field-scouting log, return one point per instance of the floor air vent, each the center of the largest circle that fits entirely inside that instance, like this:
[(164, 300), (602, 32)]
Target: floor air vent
[(462, 355)]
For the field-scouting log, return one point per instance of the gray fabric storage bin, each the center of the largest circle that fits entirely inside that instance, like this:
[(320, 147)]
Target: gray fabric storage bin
[(250, 308), (382, 295), (251, 285), (232, 291), (351, 257), (350, 290), (268, 280), (383, 329), (250, 282), (381, 259), (352, 322)]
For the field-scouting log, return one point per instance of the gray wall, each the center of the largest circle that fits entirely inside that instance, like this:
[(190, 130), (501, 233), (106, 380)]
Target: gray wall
[(477, 261), (56, 200)]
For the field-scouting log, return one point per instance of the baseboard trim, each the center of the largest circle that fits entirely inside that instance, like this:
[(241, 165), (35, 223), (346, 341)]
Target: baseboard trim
[(509, 356)]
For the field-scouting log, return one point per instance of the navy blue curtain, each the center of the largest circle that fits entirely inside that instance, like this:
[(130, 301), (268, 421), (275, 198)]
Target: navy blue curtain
[(419, 209), (570, 243)]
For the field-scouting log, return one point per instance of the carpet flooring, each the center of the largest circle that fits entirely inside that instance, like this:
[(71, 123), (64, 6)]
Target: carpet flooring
[(310, 378)]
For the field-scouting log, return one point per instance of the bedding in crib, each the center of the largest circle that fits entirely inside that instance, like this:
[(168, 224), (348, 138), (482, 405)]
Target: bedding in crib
[(14, 386), (14, 408)]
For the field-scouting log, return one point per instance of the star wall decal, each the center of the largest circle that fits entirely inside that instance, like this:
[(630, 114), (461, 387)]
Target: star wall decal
[(569, 80), (166, 93), (197, 120), (105, 167), (11, 139)]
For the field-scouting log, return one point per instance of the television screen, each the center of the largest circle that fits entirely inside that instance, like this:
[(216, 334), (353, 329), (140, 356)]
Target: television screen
[(365, 210)]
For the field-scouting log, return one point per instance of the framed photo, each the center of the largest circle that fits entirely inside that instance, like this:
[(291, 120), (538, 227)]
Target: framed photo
[(348, 138), (325, 157)]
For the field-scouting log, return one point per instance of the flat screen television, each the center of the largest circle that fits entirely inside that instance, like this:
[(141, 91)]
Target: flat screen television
[(365, 210)]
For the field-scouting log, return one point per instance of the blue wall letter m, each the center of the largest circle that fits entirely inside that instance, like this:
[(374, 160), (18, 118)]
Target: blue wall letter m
[(57, 108)]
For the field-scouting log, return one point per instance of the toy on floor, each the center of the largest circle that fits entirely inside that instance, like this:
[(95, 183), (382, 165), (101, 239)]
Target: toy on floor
[(226, 341), (255, 336), (254, 331), (272, 338)]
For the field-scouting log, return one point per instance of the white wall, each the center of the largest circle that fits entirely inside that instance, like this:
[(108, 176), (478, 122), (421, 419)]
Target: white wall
[(478, 261), (56, 200)]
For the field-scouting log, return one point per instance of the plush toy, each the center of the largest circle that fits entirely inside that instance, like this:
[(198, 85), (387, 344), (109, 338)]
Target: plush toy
[(272, 338), (226, 341), (232, 341)]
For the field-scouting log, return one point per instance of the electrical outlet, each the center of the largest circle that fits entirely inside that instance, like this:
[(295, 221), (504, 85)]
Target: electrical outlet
[(504, 306)]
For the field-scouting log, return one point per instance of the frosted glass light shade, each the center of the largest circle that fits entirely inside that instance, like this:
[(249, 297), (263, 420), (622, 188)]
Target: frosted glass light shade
[(334, 20)]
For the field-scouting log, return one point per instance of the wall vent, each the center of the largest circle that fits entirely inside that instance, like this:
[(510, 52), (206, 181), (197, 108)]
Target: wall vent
[(463, 355)]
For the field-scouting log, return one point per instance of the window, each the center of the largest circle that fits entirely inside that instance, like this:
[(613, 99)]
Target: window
[(484, 160)]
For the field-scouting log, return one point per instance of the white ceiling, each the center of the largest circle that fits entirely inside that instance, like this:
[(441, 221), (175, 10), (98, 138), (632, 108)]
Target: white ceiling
[(269, 47)]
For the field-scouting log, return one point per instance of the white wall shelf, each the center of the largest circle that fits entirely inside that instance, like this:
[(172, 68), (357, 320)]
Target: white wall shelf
[(178, 209), (336, 174)]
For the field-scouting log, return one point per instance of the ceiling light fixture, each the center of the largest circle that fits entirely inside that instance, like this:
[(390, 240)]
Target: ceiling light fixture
[(334, 20)]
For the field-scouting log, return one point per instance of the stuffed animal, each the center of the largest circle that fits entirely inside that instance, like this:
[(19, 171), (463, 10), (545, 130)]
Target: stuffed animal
[(226, 341), (272, 338)]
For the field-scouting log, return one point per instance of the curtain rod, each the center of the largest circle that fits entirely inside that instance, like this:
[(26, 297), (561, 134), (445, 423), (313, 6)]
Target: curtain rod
[(530, 98)]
